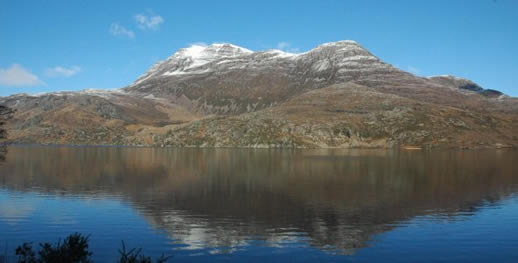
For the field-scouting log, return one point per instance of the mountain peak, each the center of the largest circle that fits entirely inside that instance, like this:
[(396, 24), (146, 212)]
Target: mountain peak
[(342, 46), (230, 50), (195, 56), (344, 55), (340, 42), (215, 50), (464, 84)]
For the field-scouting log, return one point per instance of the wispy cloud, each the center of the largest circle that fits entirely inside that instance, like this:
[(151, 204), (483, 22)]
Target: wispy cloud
[(286, 46), (60, 71), (16, 75), (149, 21), (145, 21), (117, 30)]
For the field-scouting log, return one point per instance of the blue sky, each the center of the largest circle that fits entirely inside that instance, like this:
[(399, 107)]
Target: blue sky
[(76, 45)]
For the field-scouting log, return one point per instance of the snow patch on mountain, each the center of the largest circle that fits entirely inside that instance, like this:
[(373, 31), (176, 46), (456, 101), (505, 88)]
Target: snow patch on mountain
[(187, 59), (346, 55), (200, 55), (282, 54)]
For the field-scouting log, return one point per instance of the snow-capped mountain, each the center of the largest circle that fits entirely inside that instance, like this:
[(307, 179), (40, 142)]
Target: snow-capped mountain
[(345, 56), (189, 60), (225, 78), (336, 95)]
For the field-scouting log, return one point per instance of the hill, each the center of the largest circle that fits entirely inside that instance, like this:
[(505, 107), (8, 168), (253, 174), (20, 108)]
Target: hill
[(336, 95)]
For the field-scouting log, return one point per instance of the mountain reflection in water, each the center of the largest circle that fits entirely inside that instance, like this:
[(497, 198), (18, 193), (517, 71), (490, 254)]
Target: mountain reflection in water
[(226, 198)]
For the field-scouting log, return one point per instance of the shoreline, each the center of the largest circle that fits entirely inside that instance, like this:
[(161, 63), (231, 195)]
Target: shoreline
[(398, 147)]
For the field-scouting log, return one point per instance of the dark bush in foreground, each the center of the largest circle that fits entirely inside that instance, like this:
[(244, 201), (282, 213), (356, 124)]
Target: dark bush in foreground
[(134, 256), (74, 249)]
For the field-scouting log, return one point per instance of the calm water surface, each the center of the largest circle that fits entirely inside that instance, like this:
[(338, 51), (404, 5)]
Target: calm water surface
[(244, 205)]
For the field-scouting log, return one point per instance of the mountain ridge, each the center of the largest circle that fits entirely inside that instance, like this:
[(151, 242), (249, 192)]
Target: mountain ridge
[(222, 95)]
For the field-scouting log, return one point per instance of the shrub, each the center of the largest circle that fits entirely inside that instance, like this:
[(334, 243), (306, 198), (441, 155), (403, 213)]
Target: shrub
[(74, 249)]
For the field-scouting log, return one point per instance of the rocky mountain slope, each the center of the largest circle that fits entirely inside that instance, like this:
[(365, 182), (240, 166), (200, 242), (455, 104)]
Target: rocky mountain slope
[(335, 95)]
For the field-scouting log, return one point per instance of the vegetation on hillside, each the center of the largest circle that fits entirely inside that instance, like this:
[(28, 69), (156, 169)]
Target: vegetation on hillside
[(5, 114)]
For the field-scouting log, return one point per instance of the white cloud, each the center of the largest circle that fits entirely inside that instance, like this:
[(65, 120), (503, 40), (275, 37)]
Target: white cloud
[(16, 75), (285, 46), (117, 30), (149, 21), (60, 71)]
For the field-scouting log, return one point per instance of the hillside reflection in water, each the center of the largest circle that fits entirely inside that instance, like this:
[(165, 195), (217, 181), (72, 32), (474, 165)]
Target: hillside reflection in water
[(225, 200)]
